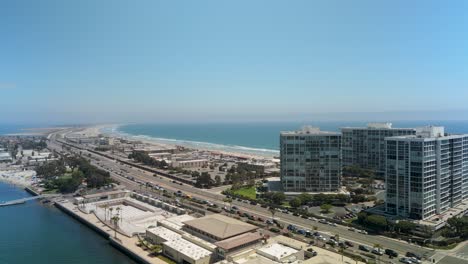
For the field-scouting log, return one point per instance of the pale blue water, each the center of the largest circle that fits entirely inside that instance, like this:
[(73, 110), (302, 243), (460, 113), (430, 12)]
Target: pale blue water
[(33, 233), (255, 138)]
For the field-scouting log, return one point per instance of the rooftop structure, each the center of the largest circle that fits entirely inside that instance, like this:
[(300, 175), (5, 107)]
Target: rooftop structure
[(217, 227), (277, 252), (182, 250), (239, 242)]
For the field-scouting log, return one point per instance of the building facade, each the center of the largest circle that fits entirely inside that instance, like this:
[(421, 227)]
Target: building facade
[(425, 173), (365, 146), (310, 160)]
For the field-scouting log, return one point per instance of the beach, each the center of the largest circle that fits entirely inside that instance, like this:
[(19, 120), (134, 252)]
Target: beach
[(23, 178), (213, 148)]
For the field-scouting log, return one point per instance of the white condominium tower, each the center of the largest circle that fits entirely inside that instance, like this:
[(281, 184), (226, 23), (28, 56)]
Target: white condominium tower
[(365, 146), (310, 160), (426, 173)]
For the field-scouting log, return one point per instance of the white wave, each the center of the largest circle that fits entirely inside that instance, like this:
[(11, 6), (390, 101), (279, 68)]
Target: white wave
[(196, 144)]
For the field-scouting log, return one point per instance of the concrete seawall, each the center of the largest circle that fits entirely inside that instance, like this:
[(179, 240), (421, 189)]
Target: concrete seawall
[(114, 242), (32, 191)]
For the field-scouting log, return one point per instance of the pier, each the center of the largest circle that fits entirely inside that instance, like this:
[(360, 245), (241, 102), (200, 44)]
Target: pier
[(24, 200)]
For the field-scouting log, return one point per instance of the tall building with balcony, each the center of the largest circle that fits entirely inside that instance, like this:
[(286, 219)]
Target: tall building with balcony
[(426, 173), (310, 160), (365, 146)]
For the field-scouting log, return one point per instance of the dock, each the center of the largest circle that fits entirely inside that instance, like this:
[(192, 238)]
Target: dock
[(24, 200)]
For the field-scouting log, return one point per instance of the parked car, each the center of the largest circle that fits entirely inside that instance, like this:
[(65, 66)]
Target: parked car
[(301, 231), (364, 248), (391, 252)]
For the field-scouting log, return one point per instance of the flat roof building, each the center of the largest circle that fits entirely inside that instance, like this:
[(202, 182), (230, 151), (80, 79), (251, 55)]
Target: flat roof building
[(426, 173), (217, 227), (310, 160)]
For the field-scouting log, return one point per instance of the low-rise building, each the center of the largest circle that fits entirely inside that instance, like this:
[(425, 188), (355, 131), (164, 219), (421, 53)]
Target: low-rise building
[(217, 227), (189, 163)]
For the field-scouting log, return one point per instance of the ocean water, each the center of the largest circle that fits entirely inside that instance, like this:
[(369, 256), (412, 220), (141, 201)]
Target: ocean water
[(254, 138), (34, 233), (13, 128)]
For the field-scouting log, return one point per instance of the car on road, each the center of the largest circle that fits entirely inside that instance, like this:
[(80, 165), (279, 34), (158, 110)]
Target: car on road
[(413, 255), (364, 248), (406, 261), (378, 251), (391, 253), (349, 244), (332, 242)]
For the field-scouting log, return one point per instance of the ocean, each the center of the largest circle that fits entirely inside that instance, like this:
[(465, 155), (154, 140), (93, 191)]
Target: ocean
[(252, 138), (34, 233)]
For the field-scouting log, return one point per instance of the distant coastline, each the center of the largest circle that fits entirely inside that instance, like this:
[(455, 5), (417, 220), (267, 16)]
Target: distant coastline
[(259, 139), (114, 130)]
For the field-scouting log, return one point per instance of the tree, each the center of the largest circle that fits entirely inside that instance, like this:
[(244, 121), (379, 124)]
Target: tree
[(115, 220), (378, 221), (204, 180), (218, 180), (405, 226), (276, 198), (305, 198), (295, 203), (459, 225), (326, 208)]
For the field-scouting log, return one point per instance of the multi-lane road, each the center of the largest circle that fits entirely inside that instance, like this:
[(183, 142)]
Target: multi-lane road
[(122, 172)]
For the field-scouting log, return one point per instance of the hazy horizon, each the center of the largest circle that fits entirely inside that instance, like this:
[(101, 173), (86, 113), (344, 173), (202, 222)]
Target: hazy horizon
[(243, 61)]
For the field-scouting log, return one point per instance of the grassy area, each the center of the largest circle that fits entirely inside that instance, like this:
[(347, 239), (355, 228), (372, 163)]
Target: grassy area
[(451, 246), (248, 192), (51, 191), (166, 259)]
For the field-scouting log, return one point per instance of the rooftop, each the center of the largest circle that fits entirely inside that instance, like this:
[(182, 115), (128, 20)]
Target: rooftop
[(220, 226), (308, 130), (164, 233), (239, 240), (188, 248), (276, 251)]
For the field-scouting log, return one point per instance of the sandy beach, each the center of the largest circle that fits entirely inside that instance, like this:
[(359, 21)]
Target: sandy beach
[(22, 178), (216, 149)]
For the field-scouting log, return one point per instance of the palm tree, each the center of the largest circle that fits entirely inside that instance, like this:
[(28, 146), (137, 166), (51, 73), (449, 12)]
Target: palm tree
[(105, 211), (118, 212), (273, 212), (110, 212), (115, 219)]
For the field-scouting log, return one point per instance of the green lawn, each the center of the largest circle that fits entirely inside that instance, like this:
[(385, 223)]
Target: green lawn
[(248, 192)]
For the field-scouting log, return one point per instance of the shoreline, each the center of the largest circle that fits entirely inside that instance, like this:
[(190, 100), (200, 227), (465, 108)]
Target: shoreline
[(214, 148)]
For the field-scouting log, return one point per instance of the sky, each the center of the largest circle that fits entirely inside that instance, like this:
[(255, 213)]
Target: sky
[(155, 61)]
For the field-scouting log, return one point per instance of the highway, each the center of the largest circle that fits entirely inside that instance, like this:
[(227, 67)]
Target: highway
[(122, 172)]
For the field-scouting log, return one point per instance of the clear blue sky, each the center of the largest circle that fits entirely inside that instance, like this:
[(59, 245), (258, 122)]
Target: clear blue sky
[(149, 61)]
